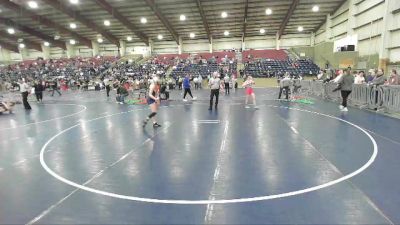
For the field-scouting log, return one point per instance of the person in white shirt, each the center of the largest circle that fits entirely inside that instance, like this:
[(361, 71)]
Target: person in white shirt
[(214, 83), (24, 89), (359, 78), (196, 83), (200, 81), (226, 84)]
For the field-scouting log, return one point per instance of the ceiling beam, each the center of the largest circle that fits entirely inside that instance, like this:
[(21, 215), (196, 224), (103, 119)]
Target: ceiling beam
[(82, 19), (8, 46), (163, 20), (122, 19), (338, 7), (204, 20), (287, 17), (246, 8), (29, 44), (45, 21), (33, 32)]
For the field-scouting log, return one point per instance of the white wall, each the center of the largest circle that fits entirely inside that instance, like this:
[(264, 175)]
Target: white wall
[(226, 44), (376, 26), (295, 40), (165, 47), (260, 42), (195, 46)]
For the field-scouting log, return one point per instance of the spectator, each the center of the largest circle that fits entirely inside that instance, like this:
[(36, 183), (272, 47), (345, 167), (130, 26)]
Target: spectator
[(345, 82), (226, 84), (371, 75), (24, 89), (394, 78), (186, 87), (39, 88), (379, 79), (200, 81), (54, 87), (121, 94), (359, 79)]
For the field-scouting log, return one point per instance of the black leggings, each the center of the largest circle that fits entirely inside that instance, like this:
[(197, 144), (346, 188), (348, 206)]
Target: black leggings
[(226, 88), (108, 88), (187, 91), (25, 100), (214, 92), (39, 96), (345, 95), (281, 90)]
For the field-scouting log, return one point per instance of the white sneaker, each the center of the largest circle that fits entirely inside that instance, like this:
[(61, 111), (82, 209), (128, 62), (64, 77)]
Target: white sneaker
[(247, 107), (185, 100), (344, 109), (194, 98), (341, 107)]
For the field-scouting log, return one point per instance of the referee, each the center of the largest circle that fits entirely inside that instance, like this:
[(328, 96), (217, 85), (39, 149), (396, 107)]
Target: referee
[(214, 84)]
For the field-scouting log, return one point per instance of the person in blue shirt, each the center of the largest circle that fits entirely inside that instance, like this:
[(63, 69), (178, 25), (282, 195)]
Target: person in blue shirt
[(186, 87)]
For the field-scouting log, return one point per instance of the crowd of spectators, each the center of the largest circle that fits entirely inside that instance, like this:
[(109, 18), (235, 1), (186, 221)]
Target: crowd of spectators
[(373, 77)]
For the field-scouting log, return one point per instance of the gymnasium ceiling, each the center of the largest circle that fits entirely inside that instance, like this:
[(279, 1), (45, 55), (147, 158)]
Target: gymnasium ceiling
[(203, 18)]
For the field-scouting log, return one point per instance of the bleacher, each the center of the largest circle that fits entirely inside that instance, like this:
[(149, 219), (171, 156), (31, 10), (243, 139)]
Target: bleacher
[(201, 63), (272, 63)]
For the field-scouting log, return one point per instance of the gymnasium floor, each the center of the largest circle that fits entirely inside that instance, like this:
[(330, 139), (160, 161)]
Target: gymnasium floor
[(82, 159)]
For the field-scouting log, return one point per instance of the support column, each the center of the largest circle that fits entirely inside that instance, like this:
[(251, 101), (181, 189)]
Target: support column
[(24, 53), (312, 39), (95, 48), (385, 38), (5, 55), (71, 52), (328, 30), (211, 45), (46, 51), (243, 44), (122, 48), (151, 46), (180, 45), (277, 41)]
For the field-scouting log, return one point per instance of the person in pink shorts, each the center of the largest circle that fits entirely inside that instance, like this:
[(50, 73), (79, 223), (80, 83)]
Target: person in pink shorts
[(248, 84)]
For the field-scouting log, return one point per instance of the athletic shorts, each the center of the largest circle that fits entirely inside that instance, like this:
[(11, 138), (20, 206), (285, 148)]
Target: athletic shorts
[(249, 91), (150, 101)]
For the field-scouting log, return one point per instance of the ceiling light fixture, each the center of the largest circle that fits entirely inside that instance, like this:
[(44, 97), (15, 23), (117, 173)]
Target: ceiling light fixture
[(192, 35), (74, 1), (268, 11), (182, 17), (226, 33), (107, 23), (100, 40), (224, 14), (300, 29), (160, 37), (21, 45), (47, 44), (143, 20), (262, 30), (11, 30), (33, 4), (129, 38), (315, 8), (72, 25), (72, 41)]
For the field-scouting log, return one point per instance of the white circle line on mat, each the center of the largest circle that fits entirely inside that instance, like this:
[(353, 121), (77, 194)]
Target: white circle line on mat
[(221, 201), (49, 120)]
